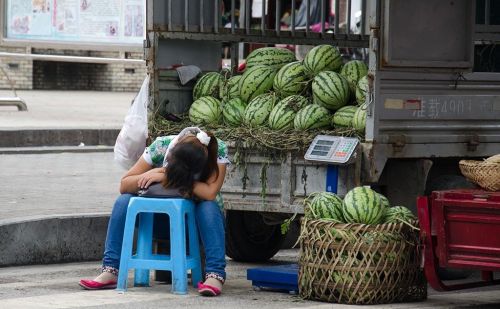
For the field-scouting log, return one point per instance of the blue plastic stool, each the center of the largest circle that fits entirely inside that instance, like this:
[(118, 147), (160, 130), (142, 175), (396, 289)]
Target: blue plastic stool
[(180, 212)]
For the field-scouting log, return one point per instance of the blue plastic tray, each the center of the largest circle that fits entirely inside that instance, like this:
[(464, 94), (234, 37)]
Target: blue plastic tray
[(282, 278)]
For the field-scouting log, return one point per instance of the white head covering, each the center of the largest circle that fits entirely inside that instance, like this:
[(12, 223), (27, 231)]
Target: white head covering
[(201, 135)]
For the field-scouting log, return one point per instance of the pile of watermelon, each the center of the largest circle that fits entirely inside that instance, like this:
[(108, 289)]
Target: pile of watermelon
[(281, 93), (360, 205)]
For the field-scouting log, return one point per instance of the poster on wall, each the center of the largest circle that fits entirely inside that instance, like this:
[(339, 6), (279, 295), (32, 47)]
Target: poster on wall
[(92, 21)]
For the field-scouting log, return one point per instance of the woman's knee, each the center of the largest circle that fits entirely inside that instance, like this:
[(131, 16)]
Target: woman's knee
[(121, 204)]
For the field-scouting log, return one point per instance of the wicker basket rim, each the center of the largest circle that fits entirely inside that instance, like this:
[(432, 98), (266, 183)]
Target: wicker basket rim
[(381, 227), (479, 163)]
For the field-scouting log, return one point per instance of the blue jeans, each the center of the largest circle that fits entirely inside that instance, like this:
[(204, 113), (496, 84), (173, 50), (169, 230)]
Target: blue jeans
[(210, 224)]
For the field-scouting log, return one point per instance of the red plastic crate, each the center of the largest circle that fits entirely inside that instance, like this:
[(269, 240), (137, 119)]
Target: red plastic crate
[(467, 225), (460, 229)]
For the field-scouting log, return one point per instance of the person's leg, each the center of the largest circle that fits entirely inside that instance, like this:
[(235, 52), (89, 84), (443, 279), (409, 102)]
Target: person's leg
[(114, 239), (210, 221)]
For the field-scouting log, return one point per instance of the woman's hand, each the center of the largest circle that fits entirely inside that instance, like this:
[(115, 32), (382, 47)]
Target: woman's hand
[(150, 177), (136, 178)]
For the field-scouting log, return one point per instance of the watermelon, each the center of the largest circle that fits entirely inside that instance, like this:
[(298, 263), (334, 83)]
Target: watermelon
[(353, 71), (273, 57), (330, 90), (258, 110), (290, 79), (384, 200), (398, 214), (208, 85), (359, 119), (205, 110), (255, 81), (233, 111), (325, 205), (363, 205), (322, 58), (312, 116), (283, 113), (361, 89), (229, 88), (343, 117)]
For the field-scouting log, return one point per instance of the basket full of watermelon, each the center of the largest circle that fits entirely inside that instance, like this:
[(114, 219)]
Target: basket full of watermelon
[(359, 250)]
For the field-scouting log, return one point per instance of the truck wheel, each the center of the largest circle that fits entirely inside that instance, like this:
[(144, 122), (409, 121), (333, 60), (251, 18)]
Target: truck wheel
[(446, 182), (249, 238)]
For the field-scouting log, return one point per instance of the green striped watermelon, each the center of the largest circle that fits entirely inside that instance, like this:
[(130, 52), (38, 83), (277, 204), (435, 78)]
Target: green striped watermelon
[(205, 110), (255, 81), (359, 119), (385, 201), (322, 58), (312, 116), (353, 71), (325, 205), (283, 113), (363, 205), (274, 57), (290, 79), (343, 117), (233, 111), (258, 110), (229, 88), (361, 89), (398, 214), (208, 85), (330, 90)]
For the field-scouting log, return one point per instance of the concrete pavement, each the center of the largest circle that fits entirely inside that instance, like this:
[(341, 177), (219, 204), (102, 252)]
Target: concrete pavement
[(59, 179), (54, 109), (63, 118), (55, 286)]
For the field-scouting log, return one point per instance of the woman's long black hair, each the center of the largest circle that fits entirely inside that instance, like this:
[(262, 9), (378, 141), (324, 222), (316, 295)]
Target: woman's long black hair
[(189, 162)]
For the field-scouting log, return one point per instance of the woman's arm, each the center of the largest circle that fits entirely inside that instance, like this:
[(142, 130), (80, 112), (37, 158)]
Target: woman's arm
[(140, 176), (208, 190)]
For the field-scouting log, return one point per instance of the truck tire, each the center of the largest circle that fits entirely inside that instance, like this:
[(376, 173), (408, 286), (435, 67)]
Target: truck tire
[(446, 182), (249, 238)]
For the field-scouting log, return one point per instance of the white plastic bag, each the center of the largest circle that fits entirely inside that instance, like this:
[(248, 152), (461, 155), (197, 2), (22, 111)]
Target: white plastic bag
[(131, 140)]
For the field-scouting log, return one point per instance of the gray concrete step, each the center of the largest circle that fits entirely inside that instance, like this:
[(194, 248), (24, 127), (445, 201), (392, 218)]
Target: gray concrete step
[(57, 137)]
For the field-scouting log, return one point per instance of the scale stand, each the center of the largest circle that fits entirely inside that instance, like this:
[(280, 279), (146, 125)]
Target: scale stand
[(335, 150)]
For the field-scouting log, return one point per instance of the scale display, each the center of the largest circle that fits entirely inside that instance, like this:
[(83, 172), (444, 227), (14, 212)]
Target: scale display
[(333, 149)]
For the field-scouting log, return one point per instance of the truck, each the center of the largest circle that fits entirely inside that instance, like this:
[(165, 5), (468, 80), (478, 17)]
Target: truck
[(433, 98)]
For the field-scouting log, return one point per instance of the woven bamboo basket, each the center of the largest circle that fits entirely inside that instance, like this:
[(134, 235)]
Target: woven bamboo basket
[(360, 264), (483, 173)]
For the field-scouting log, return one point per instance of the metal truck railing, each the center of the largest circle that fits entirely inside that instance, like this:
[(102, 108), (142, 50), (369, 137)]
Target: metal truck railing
[(201, 20)]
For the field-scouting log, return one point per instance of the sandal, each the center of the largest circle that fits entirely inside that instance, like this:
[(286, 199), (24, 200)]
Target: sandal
[(94, 285), (208, 290)]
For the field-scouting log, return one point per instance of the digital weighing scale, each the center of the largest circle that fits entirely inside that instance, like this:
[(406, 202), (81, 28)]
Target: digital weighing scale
[(332, 149)]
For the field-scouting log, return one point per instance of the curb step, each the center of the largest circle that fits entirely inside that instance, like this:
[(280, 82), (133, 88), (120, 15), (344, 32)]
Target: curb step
[(10, 138), (55, 149)]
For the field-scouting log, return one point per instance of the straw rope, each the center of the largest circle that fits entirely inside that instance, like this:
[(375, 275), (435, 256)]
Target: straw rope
[(259, 138)]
